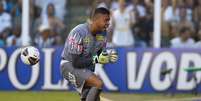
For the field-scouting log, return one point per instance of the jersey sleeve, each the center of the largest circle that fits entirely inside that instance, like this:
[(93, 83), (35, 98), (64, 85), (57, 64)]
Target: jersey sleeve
[(75, 42)]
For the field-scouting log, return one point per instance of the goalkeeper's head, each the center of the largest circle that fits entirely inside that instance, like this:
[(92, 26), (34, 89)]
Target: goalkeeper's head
[(100, 19)]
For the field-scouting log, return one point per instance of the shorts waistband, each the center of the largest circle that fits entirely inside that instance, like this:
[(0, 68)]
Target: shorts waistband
[(63, 61)]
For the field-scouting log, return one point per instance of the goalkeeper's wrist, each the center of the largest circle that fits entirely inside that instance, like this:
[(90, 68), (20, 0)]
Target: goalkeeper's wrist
[(101, 60), (95, 59)]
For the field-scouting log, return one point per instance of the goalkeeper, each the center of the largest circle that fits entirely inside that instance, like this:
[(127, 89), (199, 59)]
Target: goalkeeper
[(84, 47)]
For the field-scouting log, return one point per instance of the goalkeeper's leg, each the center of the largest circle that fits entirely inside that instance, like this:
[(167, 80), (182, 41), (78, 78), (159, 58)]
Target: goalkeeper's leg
[(96, 86), (84, 94)]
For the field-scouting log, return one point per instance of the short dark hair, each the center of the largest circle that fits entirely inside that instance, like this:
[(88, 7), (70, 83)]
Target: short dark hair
[(184, 29), (101, 10)]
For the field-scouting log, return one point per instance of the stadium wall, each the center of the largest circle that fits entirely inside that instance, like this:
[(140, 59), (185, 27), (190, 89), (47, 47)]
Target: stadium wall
[(137, 70)]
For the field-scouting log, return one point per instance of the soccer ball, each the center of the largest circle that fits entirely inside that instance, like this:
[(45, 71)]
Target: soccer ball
[(30, 55)]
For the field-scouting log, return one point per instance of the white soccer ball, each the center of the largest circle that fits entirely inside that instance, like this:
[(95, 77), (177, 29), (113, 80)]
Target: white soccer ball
[(30, 55)]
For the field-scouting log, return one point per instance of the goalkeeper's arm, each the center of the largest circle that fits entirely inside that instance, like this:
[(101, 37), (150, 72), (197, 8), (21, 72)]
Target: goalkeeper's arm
[(79, 61), (102, 57)]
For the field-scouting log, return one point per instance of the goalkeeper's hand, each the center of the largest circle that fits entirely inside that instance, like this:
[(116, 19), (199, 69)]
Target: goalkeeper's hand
[(113, 56), (103, 58)]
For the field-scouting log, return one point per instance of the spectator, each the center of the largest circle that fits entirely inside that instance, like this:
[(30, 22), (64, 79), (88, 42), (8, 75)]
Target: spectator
[(59, 7), (8, 5), (182, 17), (143, 27), (2, 41), (5, 19), (37, 21), (43, 39), (122, 21), (168, 12), (173, 30), (3, 37), (139, 10), (189, 9), (177, 5), (17, 9), (148, 26), (140, 38), (16, 12), (114, 5), (197, 13), (189, 3), (15, 39), (184, 39), (183, 21), (198, 44), (55, 23)]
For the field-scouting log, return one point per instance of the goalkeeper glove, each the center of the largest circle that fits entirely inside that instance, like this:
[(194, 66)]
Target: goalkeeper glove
[(113, 56), (103, 58)]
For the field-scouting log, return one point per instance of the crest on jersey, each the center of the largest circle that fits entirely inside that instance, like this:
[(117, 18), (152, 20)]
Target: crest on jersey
[(87, 40)]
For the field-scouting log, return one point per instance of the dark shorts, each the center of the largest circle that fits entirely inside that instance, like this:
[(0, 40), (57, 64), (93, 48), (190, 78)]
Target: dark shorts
[(75, 76)]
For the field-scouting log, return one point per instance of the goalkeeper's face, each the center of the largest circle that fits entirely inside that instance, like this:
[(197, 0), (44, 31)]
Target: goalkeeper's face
[(103, 22)]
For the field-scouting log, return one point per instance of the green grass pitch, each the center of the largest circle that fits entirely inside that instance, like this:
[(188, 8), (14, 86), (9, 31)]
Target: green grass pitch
[(73, 96)]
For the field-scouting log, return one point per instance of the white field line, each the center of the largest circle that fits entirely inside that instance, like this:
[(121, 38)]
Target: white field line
[(104, 99)]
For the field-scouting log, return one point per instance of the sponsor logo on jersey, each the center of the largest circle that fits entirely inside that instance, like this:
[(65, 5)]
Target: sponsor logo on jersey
[(75, 44), (100, 38)]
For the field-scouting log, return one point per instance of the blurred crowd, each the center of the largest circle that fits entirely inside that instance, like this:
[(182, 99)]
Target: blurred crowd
[(131, 22), (46, 22), (181, 23)]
